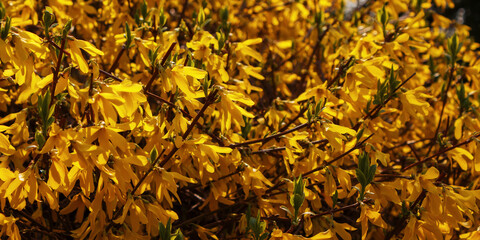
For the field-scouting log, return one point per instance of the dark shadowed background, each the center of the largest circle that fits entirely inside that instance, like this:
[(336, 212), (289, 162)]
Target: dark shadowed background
[(467, 11)]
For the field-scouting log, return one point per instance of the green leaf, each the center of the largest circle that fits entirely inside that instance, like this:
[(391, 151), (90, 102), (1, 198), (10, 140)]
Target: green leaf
[(224, 15), (405, 210), (162, 19), (360, 134), (367, 108), (153, 154), (297, 201), (363, 162), (371, 173), (201, 17), (128, 36), (6, 28), (264, 236), (46, 101), (361, 177), (335, 198), (67, 27), (49, 123), (284, 208), (40, 139), (144, 10), (248, 216), (179, 235), (453, 48), (299, 186), (2, 11), (165, 230), (48, 19)]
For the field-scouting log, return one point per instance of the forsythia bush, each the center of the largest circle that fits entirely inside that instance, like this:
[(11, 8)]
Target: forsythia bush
[(241, 119)]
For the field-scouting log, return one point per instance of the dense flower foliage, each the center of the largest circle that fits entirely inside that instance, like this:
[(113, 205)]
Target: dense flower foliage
[(241, 119)]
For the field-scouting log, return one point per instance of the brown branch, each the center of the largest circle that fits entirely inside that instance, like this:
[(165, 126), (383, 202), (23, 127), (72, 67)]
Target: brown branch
[(88, 108), (58, 47), (403, 222), (354, 205), (206, 214), (117, 59), (182, 14), (441, 152), (167, 54), (302, 111), (152, 78), (110, 75), (406, 143), (358, 145), (42, 228), (239, 170), (56, 71), (414, 152), (315, 49), (164, 60), (209, 100), (268, 150), (266, 139), (30, 219), (372, 113), (340, 71), (186, 114), (444, 103), (380, 175)]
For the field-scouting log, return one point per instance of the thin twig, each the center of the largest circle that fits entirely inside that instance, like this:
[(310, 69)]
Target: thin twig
[(187, 115), (182, 14), (56, 71), (110, 75), (239, 170), (208, 213), (414, 152), (302, 111), (354, 205), (444, 103), (372, 113), (277, 149), (43, 229), (117, 60), (30, 219), (441, 152), (209, 100), (340, 71), (406, 143), (58, 47), (266, 139), (164, 60), (315, 49), (403, 222), (380, 175), (358, 145)]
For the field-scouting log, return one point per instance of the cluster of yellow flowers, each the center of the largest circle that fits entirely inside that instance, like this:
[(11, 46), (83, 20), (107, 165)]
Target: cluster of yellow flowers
[(241, 119)]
